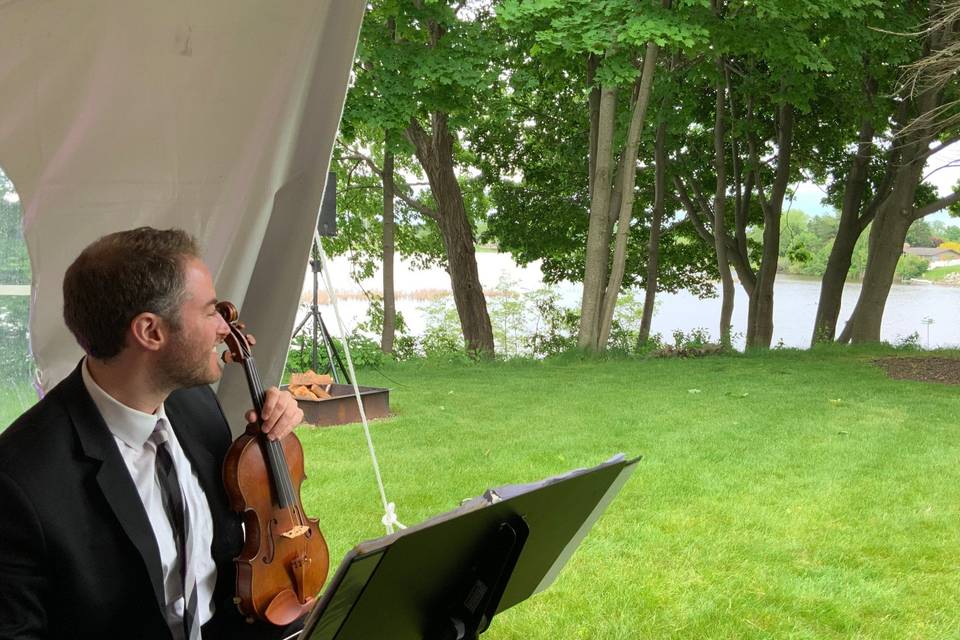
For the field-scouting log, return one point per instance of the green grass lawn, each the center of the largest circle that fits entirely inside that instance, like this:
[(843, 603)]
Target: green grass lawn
[(16, 396), (786, 495), (940, 273)]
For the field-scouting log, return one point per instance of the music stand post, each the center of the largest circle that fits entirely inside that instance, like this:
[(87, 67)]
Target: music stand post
[(446, 578)]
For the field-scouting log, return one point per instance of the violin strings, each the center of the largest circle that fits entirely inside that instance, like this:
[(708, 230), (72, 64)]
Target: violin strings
[(275, 455)]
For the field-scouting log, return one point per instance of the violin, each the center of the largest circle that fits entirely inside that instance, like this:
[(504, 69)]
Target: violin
[(284, 560)]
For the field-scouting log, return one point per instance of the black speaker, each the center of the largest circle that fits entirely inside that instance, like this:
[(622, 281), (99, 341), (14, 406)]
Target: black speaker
[(327, 224)]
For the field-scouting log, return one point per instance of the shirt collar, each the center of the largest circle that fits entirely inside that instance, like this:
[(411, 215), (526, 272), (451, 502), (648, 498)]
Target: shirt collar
[(132, 427)]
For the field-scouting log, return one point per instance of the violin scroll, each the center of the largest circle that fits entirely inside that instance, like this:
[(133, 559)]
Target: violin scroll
[(238, 343)]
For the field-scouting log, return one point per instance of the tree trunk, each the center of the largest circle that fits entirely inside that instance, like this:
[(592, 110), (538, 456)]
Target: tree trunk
[(893, 219), (699, 213), (593, 104), (719, 216), (598, 233), (851, 226), (628, 190), (887, 235), (738, 251), (834, 278), (389, 232), (653, 245), (760, 315), (435, 154)]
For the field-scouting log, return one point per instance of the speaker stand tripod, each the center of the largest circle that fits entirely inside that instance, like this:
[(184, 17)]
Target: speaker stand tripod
[(320, 331)]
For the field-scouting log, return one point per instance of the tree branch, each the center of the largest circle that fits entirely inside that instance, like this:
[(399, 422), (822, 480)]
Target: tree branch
[(892, 162), (673, 226), (784, 153), (692, 214), (937, 149), (702, 201), (933, 207), (402, 192)]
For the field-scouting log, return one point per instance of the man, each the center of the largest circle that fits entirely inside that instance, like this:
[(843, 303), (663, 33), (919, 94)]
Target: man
[(114, 519)]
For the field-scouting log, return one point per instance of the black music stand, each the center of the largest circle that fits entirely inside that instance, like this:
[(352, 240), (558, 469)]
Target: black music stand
[(446, 578)]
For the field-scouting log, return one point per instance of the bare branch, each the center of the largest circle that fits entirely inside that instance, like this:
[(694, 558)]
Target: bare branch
[(949, 165), (937, 149)]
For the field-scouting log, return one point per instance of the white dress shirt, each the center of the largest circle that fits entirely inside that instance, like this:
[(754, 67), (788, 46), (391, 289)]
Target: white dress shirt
[(131, 430)]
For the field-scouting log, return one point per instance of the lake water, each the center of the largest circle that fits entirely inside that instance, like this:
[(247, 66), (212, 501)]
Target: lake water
[(795, 302)]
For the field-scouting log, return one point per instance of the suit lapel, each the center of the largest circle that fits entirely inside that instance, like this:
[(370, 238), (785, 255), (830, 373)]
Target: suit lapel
[(113, 477)]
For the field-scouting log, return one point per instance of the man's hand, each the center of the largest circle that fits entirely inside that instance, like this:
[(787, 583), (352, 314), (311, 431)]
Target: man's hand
[(280, 414)]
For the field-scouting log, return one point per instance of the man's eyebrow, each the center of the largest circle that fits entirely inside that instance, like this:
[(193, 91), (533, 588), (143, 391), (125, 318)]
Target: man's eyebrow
[(212, 302)]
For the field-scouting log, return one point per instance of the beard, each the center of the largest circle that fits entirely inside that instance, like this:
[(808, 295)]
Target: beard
[(186, 364)]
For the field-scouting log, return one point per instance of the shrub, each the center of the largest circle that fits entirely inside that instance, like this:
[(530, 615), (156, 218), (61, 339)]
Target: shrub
[(909, 267)]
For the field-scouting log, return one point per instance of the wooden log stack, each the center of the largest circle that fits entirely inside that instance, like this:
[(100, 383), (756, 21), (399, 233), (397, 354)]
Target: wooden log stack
[(310, 385)]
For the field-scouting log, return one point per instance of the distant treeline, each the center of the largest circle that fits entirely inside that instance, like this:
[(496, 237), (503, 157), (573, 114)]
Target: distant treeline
[(805, 244)]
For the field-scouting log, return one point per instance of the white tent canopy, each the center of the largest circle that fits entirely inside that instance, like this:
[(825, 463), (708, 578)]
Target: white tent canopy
[(217, 116)]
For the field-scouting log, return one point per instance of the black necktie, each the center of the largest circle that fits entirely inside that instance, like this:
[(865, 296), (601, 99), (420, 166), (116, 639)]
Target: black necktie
[(172, 499)]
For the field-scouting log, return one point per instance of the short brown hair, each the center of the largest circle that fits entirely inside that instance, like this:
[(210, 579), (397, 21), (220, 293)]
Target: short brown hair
[(120, 276)]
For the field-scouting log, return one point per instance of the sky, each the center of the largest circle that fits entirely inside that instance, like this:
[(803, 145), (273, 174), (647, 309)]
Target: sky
[(943, 171)]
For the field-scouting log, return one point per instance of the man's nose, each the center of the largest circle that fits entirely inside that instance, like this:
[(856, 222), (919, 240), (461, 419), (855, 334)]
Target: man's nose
[(223, 329)]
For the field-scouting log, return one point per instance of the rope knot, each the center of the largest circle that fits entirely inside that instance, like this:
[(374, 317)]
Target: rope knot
[(389, 519)]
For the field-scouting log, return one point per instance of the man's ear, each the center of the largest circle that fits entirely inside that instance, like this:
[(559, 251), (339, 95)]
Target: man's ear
[(149, 331)]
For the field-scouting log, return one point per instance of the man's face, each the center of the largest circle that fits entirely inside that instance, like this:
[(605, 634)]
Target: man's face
[(191, 358)]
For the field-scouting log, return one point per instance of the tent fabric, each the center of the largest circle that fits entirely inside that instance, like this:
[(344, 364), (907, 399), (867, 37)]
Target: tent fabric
[(217, 116)]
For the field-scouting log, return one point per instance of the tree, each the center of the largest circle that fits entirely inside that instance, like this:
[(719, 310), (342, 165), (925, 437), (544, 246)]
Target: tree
[(534, 152), (769, 111), (389, 251), (373, 227), (422, 71), (14, 261), (864, 179), (15, 357), (920, 234), (656, 227), (926, 118), (618, 43)]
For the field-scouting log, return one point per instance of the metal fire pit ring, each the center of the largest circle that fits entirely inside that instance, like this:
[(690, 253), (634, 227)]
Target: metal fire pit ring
[(341, 407)]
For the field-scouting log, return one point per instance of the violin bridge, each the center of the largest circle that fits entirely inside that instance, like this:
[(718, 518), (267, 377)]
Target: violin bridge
[(296, 531)]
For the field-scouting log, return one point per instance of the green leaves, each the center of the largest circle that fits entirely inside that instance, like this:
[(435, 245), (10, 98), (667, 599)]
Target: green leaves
[(617, 31)]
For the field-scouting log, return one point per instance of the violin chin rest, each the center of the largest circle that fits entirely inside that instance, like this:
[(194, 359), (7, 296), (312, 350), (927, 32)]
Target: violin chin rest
[(286, 607)]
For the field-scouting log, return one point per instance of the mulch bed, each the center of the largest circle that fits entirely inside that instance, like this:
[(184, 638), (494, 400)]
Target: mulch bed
[(942, 370)]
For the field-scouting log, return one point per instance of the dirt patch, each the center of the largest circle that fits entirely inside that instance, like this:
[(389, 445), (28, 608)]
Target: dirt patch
[(942, 370)]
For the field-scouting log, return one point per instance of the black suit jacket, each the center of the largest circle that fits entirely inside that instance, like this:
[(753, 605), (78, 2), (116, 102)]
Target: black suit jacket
[(78, 558)]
